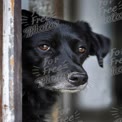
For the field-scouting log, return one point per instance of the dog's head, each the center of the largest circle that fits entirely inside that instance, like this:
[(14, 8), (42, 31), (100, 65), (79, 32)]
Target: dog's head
[(54, 50)]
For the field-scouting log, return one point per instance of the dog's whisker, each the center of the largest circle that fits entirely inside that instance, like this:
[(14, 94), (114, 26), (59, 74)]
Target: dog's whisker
[(24, 17), (114, 111), (86, 89), (35, 73), (36, 67), (88, 86), (115, 108), (117, 116), (91, 85)]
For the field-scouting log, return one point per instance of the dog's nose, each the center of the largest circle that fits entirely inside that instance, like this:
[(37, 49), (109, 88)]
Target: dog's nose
[(77, 78)]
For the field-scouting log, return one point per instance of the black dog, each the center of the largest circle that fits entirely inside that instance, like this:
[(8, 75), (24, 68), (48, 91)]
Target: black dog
[(53, 53)]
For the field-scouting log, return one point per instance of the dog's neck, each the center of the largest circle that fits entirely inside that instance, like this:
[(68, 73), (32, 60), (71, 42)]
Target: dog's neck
[(36, 101)]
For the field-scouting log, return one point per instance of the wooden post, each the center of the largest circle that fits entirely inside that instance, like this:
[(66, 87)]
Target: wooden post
[(11, 62), (59, 8)]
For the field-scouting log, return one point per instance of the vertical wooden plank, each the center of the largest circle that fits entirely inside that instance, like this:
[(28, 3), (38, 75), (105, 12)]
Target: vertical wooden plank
[(1, 23), (17, 63), (59, 8), (11, 62)]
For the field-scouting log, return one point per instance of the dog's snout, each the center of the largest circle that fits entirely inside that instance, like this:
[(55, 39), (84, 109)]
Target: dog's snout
[(77, 78)]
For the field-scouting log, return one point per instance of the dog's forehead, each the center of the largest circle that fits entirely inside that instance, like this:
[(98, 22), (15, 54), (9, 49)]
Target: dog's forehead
[(67, 31), (63, 31)]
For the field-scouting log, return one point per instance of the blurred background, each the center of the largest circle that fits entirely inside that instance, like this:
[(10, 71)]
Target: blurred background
[(101, 100)]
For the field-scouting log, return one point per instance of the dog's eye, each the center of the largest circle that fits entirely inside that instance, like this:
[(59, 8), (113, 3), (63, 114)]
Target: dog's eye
[(44, 47), (82, 49)]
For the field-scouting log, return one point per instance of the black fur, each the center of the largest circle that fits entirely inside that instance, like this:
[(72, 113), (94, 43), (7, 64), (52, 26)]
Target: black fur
[(64, 39)]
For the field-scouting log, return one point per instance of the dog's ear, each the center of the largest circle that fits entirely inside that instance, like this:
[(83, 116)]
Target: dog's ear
[(28, 18), (99, 44), (29, 22), (31, 18), (26, 13)]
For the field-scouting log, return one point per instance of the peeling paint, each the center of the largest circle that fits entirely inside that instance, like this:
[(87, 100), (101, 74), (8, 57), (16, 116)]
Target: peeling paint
[(5, 107), (12, 7), (8, 114), (12, 62), (11, 95)]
